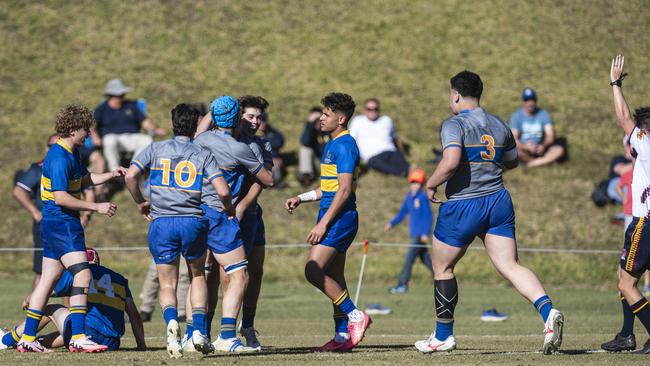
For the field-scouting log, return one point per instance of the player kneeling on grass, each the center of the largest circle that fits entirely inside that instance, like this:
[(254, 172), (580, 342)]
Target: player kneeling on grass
[(178, 168), (635, 258), (477, 148), (338, 222), (109, 298), (63, 237)]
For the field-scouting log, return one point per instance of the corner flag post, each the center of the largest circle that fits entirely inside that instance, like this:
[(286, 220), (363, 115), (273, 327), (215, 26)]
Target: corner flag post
[(366, 244)]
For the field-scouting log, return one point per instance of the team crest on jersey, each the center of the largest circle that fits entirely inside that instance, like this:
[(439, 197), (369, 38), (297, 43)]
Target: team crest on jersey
[(640, 134), (328, 158), (623, 254), (128, 112), (416, 203)]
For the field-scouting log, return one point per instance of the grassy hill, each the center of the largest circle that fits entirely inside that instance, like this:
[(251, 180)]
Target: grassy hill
[(404, 52)]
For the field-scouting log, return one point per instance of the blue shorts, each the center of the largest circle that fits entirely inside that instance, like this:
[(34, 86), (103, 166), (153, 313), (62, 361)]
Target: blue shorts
[(224, 235), (171, 236), (460, 221), (61, 236), (111, 342), (248, 227), (342, 231)]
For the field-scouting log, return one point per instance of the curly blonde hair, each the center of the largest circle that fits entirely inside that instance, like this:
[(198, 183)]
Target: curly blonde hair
[(73, 117)]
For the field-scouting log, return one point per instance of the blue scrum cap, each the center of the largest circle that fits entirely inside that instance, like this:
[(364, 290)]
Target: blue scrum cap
[(225, 111)]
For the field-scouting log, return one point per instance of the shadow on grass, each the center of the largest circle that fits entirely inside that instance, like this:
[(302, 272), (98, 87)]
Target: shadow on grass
[(309, 350)]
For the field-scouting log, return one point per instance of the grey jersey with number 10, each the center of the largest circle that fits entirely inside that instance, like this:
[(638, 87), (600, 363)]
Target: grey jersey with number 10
[(178, 168), (235, 158), (486, 143)]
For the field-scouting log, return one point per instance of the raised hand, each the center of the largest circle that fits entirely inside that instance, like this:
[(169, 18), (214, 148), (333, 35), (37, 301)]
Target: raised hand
[(616, 72)]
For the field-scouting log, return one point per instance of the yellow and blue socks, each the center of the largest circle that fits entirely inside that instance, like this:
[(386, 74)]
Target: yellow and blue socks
[(78, 321), (198, 320), (31, 324), (170, 313), (248, 316), (347, 306), (228, 328), (641, 309), (544, 306), (11, 338), (628, 319), (446, 298)]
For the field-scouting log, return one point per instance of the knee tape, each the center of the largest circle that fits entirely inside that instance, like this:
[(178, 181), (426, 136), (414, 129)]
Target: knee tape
[(231, 268), (76, 268)]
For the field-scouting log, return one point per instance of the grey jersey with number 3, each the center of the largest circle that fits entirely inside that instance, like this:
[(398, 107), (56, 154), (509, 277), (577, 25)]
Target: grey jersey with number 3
[(486, 143)]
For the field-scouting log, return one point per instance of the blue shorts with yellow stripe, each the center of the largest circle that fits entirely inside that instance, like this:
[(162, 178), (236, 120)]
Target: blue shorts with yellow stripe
[(460, 221), (224, 235), (61, 236), (112, 343), (635, 257), (342, 231), (170, 236)]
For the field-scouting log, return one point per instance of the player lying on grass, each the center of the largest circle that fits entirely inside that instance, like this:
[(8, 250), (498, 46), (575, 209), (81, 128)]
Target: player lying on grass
[(337, 225), (635, 257), (477, 148), (178, 169), (63, 236), (225, 242), (109, 298)]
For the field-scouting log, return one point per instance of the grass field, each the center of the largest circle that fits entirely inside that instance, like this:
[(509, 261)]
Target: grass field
[(293, 319)]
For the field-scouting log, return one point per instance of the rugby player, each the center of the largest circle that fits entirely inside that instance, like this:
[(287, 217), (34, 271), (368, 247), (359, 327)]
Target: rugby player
[(249, 213), (63, 236), (338, 222), (109, 298), (224, 238), (477, 148), (635, 257), (178, 169)]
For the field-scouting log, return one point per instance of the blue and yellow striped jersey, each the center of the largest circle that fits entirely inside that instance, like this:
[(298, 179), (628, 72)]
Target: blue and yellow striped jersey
[(341, 155), (107, 296), (62, 171)]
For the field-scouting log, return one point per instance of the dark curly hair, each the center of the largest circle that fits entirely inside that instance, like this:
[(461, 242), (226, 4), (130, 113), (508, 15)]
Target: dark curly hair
[(252, 101), (340, 102), (642, 118), (73, 117), (185, 118), (467, 84)]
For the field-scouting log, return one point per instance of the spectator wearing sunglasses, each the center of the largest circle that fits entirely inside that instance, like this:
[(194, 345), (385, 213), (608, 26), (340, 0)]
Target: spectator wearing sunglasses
[(379, 145)]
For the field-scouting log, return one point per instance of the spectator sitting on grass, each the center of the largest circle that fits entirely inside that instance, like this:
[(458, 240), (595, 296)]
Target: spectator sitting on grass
[(119, 124), (377, 140), (276, 139), (312, 143), (533, 130), (416, 204)]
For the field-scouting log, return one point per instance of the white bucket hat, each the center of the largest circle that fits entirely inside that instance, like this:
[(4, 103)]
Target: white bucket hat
[(116, 87)]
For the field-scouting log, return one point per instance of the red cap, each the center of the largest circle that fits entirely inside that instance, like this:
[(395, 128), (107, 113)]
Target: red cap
[(417, 175)]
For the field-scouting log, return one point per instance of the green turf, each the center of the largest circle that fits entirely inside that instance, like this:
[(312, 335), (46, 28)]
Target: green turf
[(292, 319)]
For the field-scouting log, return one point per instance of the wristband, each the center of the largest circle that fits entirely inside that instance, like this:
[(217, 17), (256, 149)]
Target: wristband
[(308, 196), (618, 82)]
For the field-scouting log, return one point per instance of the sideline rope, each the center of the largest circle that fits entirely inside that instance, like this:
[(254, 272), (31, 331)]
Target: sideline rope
[(357, 244)]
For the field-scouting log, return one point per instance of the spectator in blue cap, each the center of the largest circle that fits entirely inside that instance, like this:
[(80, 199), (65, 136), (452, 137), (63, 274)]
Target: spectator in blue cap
[(532, 127)]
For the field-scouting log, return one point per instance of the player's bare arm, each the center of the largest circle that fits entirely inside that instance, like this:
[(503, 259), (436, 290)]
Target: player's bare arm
[(204, 124), (136, 324), (251, 196), (340, 198), (264, 177), (131, 180), (223, 191), (292, 203), (445, 170), (65, 199), (24, 198), (623, 114), (95, 179)]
